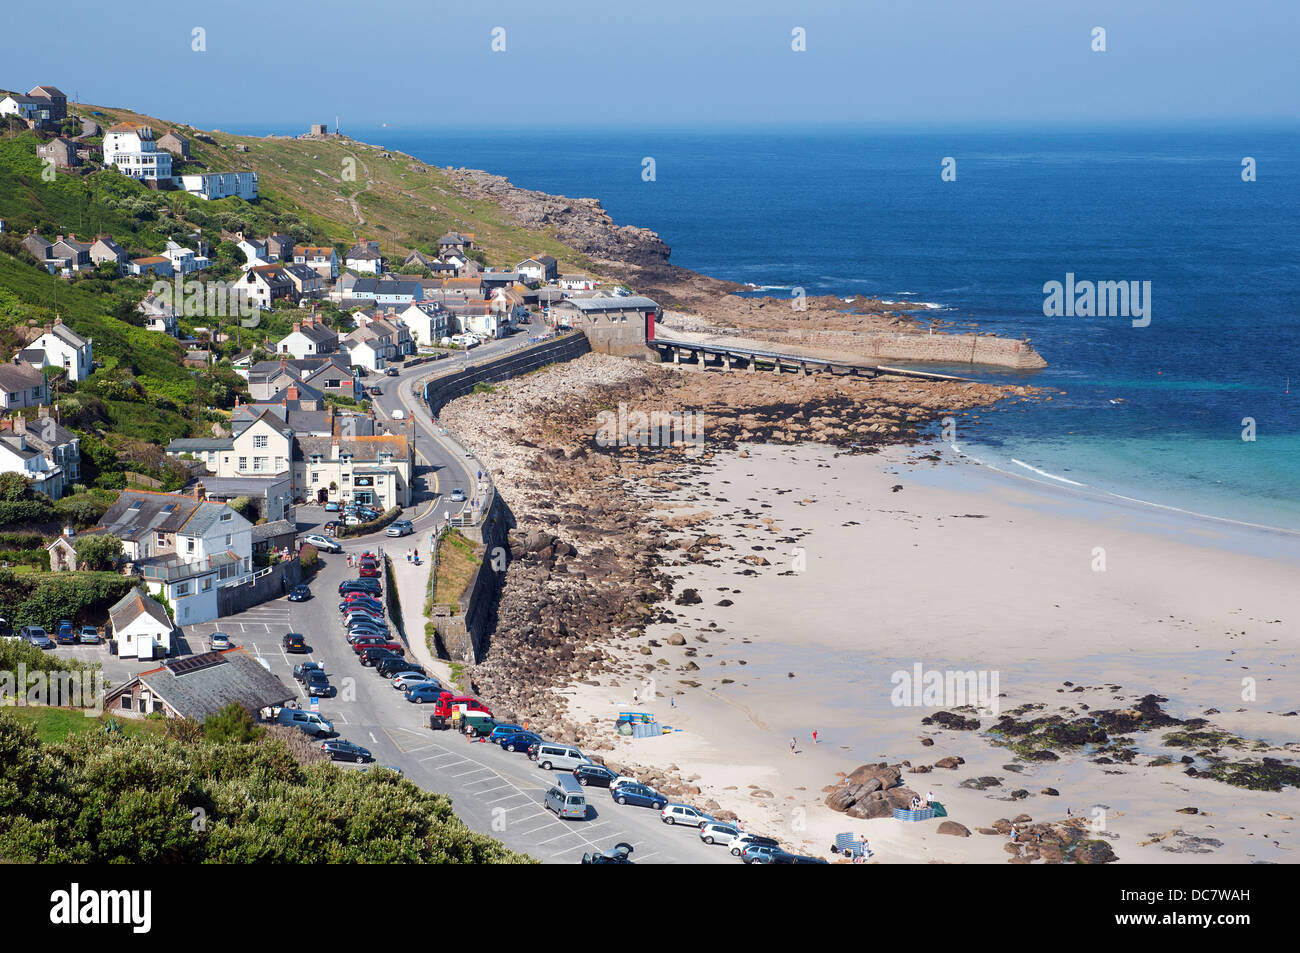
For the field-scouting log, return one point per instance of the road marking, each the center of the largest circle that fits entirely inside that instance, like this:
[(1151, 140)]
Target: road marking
[(373, 739)]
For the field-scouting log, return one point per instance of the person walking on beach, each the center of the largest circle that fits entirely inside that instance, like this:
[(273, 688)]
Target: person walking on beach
[(792, 744), (929, 798), (815, 741), (636, 696)]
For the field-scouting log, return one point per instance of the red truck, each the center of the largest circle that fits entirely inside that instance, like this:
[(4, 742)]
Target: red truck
[(447, 704)]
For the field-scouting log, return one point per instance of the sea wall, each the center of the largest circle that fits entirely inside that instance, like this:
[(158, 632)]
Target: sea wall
[(440, 391), (952, 349)]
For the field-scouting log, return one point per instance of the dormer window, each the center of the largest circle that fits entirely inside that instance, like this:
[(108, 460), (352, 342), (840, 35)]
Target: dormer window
[(225, 517)]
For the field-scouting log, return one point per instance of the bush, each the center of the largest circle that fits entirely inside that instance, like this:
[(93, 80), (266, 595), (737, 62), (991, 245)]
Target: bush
[(308, 556), (98, 552)]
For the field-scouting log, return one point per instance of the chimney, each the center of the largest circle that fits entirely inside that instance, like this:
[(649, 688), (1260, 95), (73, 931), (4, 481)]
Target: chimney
[(297, 326), (43, 412), (291, 392), (20, 424)]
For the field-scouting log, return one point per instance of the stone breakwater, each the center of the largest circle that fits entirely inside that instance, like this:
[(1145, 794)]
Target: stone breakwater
[(584, 575)]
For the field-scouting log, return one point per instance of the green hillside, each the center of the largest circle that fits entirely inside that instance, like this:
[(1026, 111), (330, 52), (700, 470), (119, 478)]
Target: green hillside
[(330, 192)]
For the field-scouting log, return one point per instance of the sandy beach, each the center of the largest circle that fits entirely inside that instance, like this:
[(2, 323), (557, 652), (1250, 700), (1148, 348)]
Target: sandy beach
[(839, 571)]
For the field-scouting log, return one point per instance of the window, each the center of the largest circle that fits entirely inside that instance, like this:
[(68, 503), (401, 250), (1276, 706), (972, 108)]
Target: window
[(189, 544), (182, 589), (315, 477), (228, 539), (259, 440), (162, 540), (259, 464), (207, 584), (243, 463), (279, 464), (126, 702), (226, 517)]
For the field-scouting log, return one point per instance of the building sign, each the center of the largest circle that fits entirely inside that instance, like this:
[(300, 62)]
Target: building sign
[(363, 481)]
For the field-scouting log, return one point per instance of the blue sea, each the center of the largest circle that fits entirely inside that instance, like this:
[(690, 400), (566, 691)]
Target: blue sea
[(1154, 413)]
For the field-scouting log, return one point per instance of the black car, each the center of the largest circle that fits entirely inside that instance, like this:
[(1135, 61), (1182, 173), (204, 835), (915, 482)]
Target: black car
[(301, 671), (373, 655), (596, 775), (618, 854), (294, 642), (317, 685), (299, 594), (365, 584), (390, 372), (395, 666), (783, 857), (362, 633), (340, 750)]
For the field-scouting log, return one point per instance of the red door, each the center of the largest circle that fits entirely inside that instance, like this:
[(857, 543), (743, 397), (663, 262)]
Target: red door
[(650, 326)]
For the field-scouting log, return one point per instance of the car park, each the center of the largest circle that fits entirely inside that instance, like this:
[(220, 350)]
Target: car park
[(404, 667), (400, 528), (340, 750), (303, 669), (89, 635), (369, 569), (299, 593), (638, 795), (519, 741), (368, 631), (294, 642), (566, 798), (356, 621), (360, 600), (715, 832), (218, 642), (553, 754), (684, 814), (501, 730)]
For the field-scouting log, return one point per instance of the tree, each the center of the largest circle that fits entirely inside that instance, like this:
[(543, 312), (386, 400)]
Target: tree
[(240, 505), (98, 552)]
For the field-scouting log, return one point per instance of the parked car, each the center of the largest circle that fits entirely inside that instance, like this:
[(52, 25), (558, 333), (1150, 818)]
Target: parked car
[(684, 814), (760, 853), (390, 372), (340, 750), (331, 506), (65, 634), (299, 593), (218, 641), (638, 795), (371, 654), (323, 543), (715, 832), (566, 799), (303, 669), (400, 528), (372, 586), (785, 857), (373, 625), (595, 775), (743, 840), (89, 635), (376, 391), (501, 730), (294, 642), (457, 495), (306, 721), (555, 754), (618, 854), (361, 600), (317, 685), (35, 634), (406, 680), (369, 569), (519, 741), (419, 694), (368, 632), (406, 668)]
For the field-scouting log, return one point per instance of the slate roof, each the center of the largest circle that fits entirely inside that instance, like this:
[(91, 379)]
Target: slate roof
[(597, 305), (201, 685), (135, 604), (192, 444), (16, 377), (265, 531)]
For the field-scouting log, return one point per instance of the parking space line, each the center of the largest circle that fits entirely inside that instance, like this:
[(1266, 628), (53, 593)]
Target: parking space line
[(504, 797)]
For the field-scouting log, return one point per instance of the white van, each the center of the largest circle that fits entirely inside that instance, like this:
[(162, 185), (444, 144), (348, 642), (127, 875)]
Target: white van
[(566, 798), (306, 721), (399, 414), (552, 754)]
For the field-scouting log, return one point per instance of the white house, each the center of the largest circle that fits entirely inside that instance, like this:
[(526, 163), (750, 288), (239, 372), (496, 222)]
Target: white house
[(65, 348), (308, 338), (221, 185), (578, 283), (135, 153), (364, 257), (542, 268), (141, 627), (183, 260), (427, 323)]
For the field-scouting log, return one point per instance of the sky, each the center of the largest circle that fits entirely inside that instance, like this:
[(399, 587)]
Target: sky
[(424, 63)]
